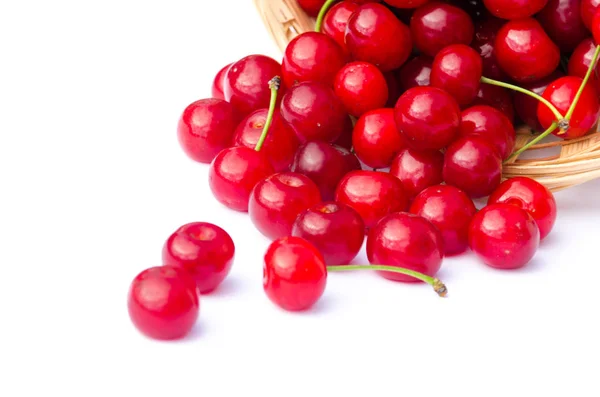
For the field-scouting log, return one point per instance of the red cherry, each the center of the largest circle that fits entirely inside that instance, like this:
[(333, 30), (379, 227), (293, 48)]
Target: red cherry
[(526, 106), (428, 117), (562, 21), (163, 302), (294, 274), (376, 139), (375, 35), (531, 196), (335, 229), (587, 10), (203, 249), (457, 69), (524, 50), (311, 7), (336, 21), (408, 241), (504, 236), (361, 87), (514, 9), (372, 194), (405, 3), (219, 81), (276, 202), (416, 72), (596, 27), (314, 112), (579, 62), (484, 43), (473, 165), (436, 25), (561, 94), (490, 124), (234, 173), (496, 97), (345, 139), (418, 169)]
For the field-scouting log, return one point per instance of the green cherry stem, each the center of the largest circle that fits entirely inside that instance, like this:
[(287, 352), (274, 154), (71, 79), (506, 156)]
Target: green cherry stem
[(532, 142), (437, 285), (274, 85), (322, 14), (583, 84)]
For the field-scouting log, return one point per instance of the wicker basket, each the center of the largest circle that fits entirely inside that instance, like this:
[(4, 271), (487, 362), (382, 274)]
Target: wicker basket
[(556, 163)]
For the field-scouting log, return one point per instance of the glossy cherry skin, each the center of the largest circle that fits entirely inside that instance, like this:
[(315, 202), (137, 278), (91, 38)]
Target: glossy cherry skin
[(277, 200), (281, 142), (405, 240), (418, 169), (375, 35), (596, 27), (376, 139), (311, 7), (526, 106), (504, 236), (218, 82), (246, 85), (524, 50), (561, 93), (428, 117), (361, 87), (163, 302), (436, 25), (562, 21), (484, 43), (496, 97), (531, 196), (514, 9), (314, 112), (336, 21), (580, 61), (416, 72), (234, 173), (205, 128), (294, 274), (473, 165), (204, 250), (587, 10), (457, 70), (490, 124), (335, 229)]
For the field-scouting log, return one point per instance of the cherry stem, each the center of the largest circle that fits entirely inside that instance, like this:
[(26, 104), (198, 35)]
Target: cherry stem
[(532, 142), (583, 84), (322, 14), (437, 285), (274, 85)]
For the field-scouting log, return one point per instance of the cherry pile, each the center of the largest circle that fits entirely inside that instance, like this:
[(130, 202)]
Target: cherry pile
[(384, 125)]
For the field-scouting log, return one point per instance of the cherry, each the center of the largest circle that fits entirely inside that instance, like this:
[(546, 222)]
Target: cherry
[(376, 139), (490, 124), (484, 43), (361, 87), (205, 128), (457, 70), (531, 196), (416, 72), (428, 117), (336, 21), (163, 302), (496, 97), (436, 25), (504, 236), (405, 240), (451, 211), (294, 274), (219, 81), (514, 9), (562, 21), (524, 50), (345, 139), (314, 112), (526, 106), (473, 165), (335, 229), (418, 169), (277, 200), (405, 3), (311, 7), (375, 35), (587, 10), (596, 27), (372, 194), (580, 61), (204, 250)]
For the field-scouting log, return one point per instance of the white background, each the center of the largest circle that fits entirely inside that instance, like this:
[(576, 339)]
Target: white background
[(93, 181)]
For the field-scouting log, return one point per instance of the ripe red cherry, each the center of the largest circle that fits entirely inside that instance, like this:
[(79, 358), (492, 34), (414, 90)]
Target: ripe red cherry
[(311, 7), (579, 62), (596, 27), (496, 97), (163, 302), (588, 9), (524, 50), (418, 169), (526, 106), (504, 236), (204, 250), (561, 94), (408, 241), (484, 43), (451, 211), (457, 69), (406, 3), (473, 165), (415, 73), (336, 21), (428, 117), (277, 200), (376, 139), (294, 274), (219, 81), (514, 9), (372, 194), (375, 35), (280, 144), (335, 229), (205, 128), (314, 112), (562, 21), (490, 124), (234, 173), (246, 85), (436, 25), (361, 87)]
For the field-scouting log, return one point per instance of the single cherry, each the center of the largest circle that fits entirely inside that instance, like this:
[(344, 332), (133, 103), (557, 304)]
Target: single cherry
[(376, 139), (415, 73), (336, 21), (457, 70), (485, 42), (219, 81), (514, 9), (496, 97), (311, 7), (418, 169), (526, 106), (361, 87), (587, 10), (562, 21), (490, 124), (579, 62)]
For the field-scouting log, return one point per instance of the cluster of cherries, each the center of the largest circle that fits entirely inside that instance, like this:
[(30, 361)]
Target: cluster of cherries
[(385, 124)]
